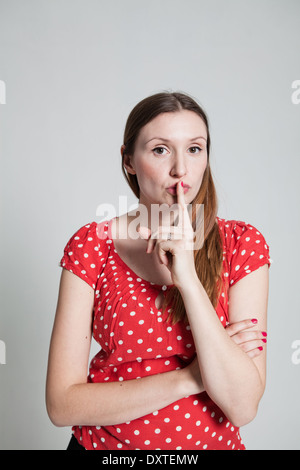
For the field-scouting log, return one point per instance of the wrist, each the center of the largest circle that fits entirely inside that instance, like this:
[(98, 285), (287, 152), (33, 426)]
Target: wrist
[(190, 282), (190, 382)]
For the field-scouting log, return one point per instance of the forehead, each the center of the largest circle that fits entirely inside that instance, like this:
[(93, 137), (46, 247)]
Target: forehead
[(177, 125)]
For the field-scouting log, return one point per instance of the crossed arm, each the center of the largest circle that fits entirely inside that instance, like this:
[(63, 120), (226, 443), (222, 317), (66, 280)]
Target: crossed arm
[(229, 366)]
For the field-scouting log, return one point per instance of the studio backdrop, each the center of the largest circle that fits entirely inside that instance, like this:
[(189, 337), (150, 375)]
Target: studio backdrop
[(70, 73)]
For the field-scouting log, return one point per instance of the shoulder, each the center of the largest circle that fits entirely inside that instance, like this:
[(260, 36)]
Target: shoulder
[(86, 251), (235, 230), (90, 236), (244, 247)]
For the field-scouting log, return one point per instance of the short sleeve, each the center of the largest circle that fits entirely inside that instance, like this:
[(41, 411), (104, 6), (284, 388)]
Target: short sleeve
[(83, 254), (247, 251)]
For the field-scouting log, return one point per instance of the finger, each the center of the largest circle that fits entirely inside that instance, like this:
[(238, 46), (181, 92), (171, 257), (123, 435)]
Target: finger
[(162, 233), (162, 252), (183, 219), (255, 352), (234, 328), (144, 232), (180, 194), (251, 345), (248, 336)]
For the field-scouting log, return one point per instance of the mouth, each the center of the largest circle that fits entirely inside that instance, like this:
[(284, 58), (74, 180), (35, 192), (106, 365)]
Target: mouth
[(172, 189)]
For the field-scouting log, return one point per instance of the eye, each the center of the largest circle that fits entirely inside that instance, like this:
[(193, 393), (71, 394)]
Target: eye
[(195, 149), (159, 150)]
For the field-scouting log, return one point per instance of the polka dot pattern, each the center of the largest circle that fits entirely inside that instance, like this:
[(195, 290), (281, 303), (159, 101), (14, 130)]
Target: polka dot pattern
[(136, 340)]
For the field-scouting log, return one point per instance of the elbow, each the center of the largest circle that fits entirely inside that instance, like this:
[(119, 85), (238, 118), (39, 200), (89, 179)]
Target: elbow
[(241, 416), (57, 412), (56, 416)]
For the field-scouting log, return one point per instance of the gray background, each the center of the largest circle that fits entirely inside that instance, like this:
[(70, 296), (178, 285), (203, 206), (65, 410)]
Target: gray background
[(73, 70)]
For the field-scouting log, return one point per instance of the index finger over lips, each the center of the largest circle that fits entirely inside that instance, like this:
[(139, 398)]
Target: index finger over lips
[(183, 219)]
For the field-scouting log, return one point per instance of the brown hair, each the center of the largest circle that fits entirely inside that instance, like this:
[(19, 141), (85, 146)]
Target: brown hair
[(209, 258)]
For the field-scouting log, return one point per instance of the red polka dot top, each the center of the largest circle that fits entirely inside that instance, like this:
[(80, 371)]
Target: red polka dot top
[(136, 340)]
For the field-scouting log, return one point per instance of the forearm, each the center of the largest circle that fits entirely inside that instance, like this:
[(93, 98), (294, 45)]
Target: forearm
[(112, 403), (230, 377)]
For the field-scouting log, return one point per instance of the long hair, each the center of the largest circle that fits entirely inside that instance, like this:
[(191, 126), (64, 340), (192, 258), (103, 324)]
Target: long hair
[(209, 257)]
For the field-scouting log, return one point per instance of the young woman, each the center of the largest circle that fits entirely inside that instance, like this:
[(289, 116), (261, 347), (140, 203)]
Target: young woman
[(182, 328)]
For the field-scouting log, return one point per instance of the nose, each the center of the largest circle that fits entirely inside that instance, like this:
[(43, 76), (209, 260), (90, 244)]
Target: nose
[(178, 168)]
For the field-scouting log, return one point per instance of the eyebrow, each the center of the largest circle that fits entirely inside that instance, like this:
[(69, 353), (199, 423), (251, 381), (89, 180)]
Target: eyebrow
[(167, 140)]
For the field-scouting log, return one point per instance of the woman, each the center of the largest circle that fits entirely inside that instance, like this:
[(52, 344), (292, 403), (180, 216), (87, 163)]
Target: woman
[(182, 329)]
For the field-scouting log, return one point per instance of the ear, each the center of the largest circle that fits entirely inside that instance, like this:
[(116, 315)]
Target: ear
[(127, 161)]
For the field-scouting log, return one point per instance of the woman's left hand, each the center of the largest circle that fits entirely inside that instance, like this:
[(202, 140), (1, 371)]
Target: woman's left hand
[(251, 341), (175, 245)]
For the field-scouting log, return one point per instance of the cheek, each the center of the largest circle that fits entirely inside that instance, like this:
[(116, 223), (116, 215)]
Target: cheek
[(200, 168), (146, 173), (198, 173)]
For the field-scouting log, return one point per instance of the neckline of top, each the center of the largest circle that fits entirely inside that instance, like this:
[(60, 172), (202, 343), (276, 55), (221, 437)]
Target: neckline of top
[(162, 287)]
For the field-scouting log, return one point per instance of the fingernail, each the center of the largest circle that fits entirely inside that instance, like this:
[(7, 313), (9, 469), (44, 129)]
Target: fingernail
[(260, 348), (254, 320), (264, 333), (181, 183), (264, 340)]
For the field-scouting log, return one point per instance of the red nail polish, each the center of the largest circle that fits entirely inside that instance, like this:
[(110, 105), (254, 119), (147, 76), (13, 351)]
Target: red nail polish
[(264, 340), (260, 348), (181, 183), (264, 333), (254, 320)]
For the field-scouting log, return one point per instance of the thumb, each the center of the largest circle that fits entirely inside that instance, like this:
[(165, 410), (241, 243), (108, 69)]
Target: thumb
[(144, 232)]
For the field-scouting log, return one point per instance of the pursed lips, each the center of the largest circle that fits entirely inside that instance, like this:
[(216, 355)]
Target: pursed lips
[(172, 189)]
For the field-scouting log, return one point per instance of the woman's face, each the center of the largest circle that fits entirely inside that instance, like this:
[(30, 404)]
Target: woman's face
[(169, 149)]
